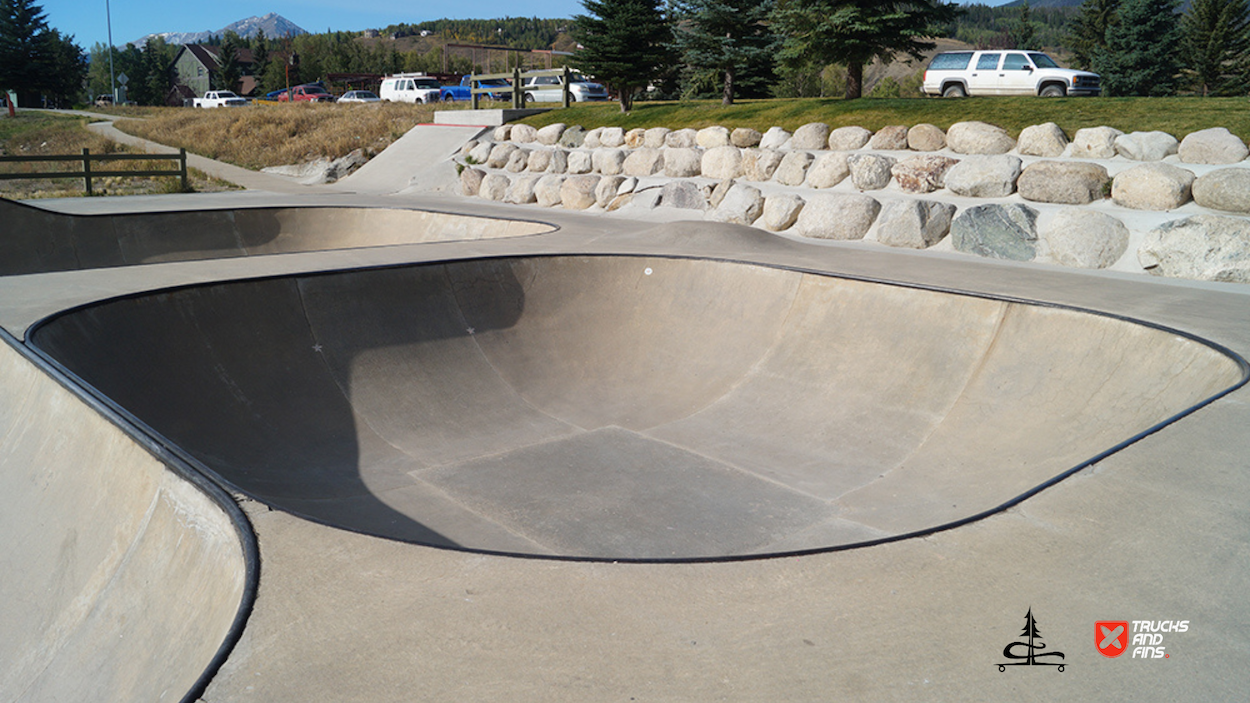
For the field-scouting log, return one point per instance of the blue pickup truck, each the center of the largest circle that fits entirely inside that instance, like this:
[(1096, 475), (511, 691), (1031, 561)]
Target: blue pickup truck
[(461, 92)]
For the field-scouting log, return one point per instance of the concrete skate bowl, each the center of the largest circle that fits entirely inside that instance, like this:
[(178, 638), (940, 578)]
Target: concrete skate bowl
[(40, 241), (629, 408), (123, 579)]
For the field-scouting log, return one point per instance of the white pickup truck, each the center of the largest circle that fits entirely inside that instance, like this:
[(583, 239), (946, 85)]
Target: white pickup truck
[(219, 98)]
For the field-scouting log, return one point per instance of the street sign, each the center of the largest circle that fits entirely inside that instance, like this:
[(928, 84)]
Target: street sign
[(123, 79)]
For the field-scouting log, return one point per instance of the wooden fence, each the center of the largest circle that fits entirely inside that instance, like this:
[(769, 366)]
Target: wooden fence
[(87, 173), (517, 88)]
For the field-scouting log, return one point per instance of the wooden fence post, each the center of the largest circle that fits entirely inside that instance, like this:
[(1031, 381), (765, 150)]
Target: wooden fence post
[(474, 96), (86, 168), (518, 95), (565, 93), (182, 168)]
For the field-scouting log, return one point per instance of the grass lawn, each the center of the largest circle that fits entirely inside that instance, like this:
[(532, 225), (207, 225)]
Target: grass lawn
[(1176, 116)]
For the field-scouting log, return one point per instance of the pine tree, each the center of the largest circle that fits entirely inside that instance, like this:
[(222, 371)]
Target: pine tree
[(1022, 32), (625, 44), (1140, 56), (1215, 45), (228, 71), (854, 32), (729, 36), (1089, 30), (260, 60), (23, 52)]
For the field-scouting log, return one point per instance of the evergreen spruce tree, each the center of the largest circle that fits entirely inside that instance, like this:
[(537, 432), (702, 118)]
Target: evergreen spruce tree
[(854, 32), (728, 36), (228, 71), (260, 60), (1022, 32), (1089, 30), (23, 51), (1140, 57), (1215, 46), (625, 44)]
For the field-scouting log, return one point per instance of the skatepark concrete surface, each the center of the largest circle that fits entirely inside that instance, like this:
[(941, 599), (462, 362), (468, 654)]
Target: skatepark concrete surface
[(551, 464)]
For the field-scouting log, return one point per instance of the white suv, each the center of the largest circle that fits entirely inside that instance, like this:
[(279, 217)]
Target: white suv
[(410, 88), (956, 74)]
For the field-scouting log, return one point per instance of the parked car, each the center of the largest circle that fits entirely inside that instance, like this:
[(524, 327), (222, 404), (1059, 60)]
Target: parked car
[(359, 96), (956, 74), (307, 93), (411, 88), (104, 101), (461, 92), (547, 89), (219, 98)]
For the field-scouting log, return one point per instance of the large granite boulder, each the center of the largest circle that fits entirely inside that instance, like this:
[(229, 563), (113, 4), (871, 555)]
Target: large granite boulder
[(923, 173), (1067, 182), (848, 138), (683, 162), (926, 137), (480, 153), (742, 204), (547, 190), (1202, 247), (518, 161), (1042, 140), (915, 224), (539, 160), (1146, 146), (793, 168), (636, 138), (681, 139), (712, 137), (719, 191), (1094, 143), (760, 164), (870, 171), (609, 162), (1085, 238), (984, 176), (780, 212), (685, 195), (578, 192), (997, 231), (1152, 186), (644, 161), (524, 134), (1212, 146), (722, 162), (471, 181), (580, 162), (502, 133), (500, 154), (1225, 189), (774, 138), (814, 135), (573, 137), (655, 137), (559, 161), (607, 189), (828, 170), (745, 137), (521, 192), (495, 187), (591, 139), (550, 135), (890, 138), (978, 138), (837, 216), (612, 137)]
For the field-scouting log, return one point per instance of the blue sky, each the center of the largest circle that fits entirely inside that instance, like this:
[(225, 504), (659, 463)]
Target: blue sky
[(86, 19)]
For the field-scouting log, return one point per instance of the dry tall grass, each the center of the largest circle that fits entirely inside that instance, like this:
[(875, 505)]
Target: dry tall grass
[(273, 135), (40, 134)]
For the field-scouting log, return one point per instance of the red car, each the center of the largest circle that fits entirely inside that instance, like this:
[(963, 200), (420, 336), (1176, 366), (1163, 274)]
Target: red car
[(307, 93)]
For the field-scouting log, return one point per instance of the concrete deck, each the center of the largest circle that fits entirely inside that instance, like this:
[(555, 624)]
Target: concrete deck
[(1155, 531)]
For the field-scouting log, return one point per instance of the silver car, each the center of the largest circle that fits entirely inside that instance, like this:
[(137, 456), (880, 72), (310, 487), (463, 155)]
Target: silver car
[(547, 89)]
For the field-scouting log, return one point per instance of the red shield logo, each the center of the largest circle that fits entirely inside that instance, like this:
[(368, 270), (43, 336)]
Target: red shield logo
[(1111, 637)]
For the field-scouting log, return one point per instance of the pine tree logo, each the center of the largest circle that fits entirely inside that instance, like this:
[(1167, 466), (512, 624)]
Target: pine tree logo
[(1032, 644)]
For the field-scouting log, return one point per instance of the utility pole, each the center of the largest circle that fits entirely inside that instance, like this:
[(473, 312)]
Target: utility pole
[(108, 14)]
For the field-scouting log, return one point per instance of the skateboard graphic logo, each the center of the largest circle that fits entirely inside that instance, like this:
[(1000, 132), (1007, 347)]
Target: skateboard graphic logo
[(1030, 648), (1111, 637)]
